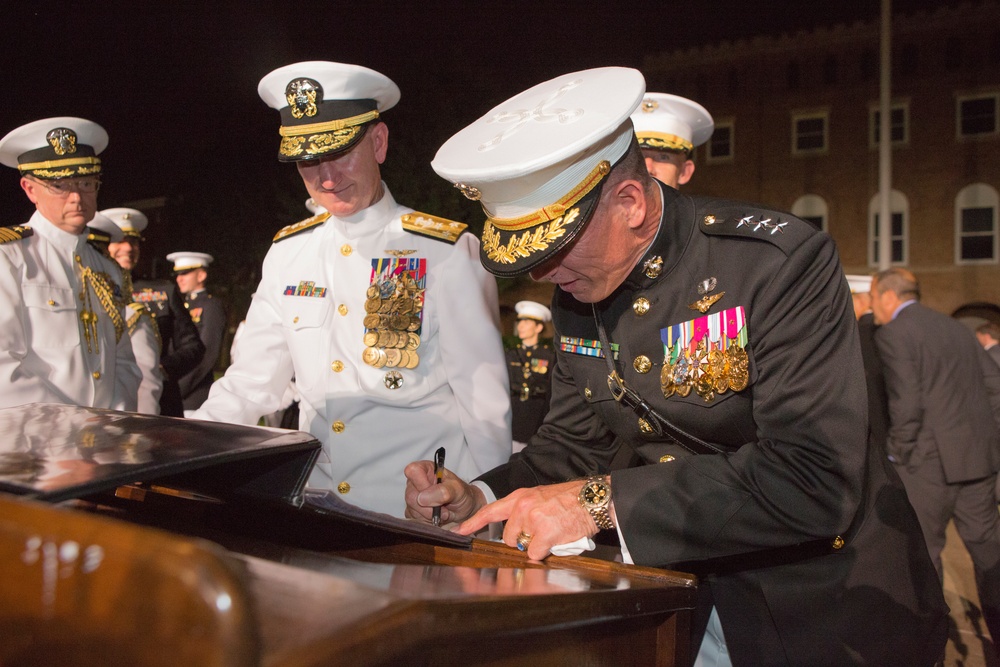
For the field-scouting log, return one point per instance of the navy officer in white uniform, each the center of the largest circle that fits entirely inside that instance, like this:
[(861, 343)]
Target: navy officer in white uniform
[(383, 315), (63, 335)]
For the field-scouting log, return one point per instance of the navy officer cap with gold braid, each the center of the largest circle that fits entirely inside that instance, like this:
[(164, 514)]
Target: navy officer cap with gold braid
[(537, 162), (54, 148), (325, 107)]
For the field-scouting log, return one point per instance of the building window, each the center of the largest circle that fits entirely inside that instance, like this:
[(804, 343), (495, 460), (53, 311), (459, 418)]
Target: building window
[(898, 230), (812, 209), (976, 225), (720, 146), (977, 116), (899, 124), (809, 133)]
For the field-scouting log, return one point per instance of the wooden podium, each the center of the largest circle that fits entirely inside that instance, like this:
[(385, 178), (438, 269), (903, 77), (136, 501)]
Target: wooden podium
[(220, 557)]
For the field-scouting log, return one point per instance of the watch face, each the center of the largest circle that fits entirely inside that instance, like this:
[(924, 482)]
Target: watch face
[(595, 493)]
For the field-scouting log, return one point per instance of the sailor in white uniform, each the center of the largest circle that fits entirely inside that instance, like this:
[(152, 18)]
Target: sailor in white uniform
[(383, 315), (142, 329), (63, 335)]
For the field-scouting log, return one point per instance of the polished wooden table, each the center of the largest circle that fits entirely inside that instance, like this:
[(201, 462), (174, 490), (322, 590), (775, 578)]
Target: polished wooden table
[(169, 572)]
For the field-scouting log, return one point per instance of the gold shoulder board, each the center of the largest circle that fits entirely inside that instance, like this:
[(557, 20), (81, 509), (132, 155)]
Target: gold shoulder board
[(433, 226), (308, 223), (10, 234)]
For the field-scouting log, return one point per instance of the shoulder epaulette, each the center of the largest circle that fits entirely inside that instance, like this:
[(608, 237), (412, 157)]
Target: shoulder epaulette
[(730, 219), (301, 226), (138, 310), (433, 226), (11, 234)]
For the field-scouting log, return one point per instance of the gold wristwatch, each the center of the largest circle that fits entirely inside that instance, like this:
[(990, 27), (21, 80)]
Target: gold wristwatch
[(595, 497)]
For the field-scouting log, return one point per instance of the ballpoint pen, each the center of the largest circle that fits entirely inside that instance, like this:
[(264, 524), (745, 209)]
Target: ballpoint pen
[(439, 473)]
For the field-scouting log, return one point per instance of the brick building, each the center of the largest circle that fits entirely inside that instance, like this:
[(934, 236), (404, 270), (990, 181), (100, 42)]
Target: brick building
[(796, 128)]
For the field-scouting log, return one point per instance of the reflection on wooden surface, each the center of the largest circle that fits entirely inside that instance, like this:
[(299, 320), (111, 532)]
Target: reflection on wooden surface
[(160, 577)]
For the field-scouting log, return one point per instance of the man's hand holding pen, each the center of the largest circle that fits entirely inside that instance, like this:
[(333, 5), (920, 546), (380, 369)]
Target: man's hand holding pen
[(455, 499)]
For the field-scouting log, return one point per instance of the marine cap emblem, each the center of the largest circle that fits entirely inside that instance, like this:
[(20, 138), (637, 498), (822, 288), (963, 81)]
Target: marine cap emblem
[(302, 95), (62, 140), (649, 105), (470, 192)]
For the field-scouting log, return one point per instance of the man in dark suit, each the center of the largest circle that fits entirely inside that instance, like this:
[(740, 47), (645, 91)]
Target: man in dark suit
[(717, 340), (944, 395), (988, 335), (209, 317)]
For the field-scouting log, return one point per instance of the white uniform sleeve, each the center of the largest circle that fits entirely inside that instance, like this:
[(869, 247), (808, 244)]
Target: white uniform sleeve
[(127, 373), (472, 352), (146, 347), (19, 384), (254, 384)]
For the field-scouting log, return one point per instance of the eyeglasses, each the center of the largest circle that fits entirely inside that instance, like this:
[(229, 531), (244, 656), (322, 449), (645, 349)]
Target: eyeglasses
[(64, 187)]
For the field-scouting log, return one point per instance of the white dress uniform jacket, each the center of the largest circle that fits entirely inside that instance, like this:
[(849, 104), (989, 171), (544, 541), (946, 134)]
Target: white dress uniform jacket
[(44, 354), (456, 397), (146, 346)]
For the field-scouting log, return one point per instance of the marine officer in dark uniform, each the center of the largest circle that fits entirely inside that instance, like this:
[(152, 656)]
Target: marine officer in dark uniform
[(209, 317), (181, 348), (717, 339), (528, 365)]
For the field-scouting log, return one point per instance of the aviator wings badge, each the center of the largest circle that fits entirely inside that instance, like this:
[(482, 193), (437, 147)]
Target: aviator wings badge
[(703, 304)]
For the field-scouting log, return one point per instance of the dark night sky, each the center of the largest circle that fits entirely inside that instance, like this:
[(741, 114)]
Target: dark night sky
[(176, 88)]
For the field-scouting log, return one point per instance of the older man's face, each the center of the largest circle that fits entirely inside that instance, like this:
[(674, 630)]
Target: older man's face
[(65, 204), (596, 262), (348, 182)]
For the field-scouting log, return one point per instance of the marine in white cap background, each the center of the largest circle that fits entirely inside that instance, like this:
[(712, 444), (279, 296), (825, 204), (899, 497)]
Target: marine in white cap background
[(383, 315), (179, 346), (669, 128), (715, 341), (529, 365), (209, 317), (62, 299)]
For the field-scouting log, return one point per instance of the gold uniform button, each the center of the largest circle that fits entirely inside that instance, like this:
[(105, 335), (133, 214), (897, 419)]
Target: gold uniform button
[(645, 426), (337, 366), (587, 393), (344, 487), (342, 309), (295, 320), (97, 375), (338, 426), (346, 250), (642, 364), (51, 302), (641, 306), (666, 458), (838, 542)]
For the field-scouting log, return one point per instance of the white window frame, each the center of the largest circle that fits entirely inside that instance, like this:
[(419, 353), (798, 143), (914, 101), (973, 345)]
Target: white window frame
[(873, 111), (718, 159), (812, 206), (976, 195), (996, 116), (811, 115), (898, 203)]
